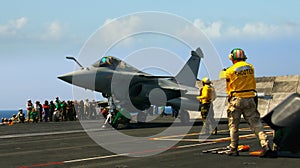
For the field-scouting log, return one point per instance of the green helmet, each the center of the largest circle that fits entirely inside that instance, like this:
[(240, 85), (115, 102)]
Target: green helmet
[(237, 54)]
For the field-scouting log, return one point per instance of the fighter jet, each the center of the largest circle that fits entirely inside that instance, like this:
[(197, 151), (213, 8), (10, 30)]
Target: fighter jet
[(136, 90), (284, 120)]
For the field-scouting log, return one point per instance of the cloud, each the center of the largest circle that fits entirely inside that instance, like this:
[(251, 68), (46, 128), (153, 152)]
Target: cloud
[(114, 30), (257, 30), (216, 29), (117, 29), (211, 30), (13, 26), (53, 31), (19, 23)]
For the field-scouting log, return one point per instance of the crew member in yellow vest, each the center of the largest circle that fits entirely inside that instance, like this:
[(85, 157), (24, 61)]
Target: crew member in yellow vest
[(207, 96), (240, 87)]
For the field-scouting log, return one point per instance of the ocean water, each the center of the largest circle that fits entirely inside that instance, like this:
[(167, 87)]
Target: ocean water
[(9, 113)]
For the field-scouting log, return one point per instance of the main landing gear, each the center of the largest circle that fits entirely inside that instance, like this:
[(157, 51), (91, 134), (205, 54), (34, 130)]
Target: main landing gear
[(116, 117)]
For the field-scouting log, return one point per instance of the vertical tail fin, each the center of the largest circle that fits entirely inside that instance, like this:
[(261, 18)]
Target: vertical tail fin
[(188, 74)]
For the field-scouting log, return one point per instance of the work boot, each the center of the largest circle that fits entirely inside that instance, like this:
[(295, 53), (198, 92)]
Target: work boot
[(267, 152), (232, 151)]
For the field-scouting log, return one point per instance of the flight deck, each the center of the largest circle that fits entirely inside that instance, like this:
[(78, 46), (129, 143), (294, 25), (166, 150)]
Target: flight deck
[(67, 144)]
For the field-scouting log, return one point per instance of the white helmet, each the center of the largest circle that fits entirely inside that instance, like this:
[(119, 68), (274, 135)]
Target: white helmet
[(206, 80)]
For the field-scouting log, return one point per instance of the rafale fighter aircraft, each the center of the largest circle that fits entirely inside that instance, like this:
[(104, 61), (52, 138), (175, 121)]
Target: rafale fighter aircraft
[(134, 90)]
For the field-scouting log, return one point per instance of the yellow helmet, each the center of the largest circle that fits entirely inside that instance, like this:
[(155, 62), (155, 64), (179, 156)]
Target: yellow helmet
[(206, 80)]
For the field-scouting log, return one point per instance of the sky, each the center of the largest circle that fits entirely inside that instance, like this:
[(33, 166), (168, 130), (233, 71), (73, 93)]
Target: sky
[(36, 36)]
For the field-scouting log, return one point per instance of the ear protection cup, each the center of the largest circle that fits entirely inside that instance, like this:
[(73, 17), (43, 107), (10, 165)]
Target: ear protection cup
[(231, 57)]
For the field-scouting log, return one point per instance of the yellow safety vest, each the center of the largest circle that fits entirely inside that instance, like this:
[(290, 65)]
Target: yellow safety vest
[(207, 94), (240, 80)]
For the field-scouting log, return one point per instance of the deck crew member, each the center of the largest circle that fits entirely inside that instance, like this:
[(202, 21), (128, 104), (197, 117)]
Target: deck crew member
[(242, 100)]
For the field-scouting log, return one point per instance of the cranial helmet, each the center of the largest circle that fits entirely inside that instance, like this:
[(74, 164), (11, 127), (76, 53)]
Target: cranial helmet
[(206, 80), (237, 54)]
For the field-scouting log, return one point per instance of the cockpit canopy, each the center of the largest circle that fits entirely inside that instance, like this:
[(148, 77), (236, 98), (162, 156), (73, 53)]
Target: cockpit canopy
[(113, 63), (107, 61)]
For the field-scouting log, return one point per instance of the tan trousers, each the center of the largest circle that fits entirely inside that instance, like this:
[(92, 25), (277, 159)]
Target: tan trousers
[(247, 107)]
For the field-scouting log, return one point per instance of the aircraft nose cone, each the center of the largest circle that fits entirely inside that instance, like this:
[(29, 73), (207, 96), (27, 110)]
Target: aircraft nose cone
[(66, 77)]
